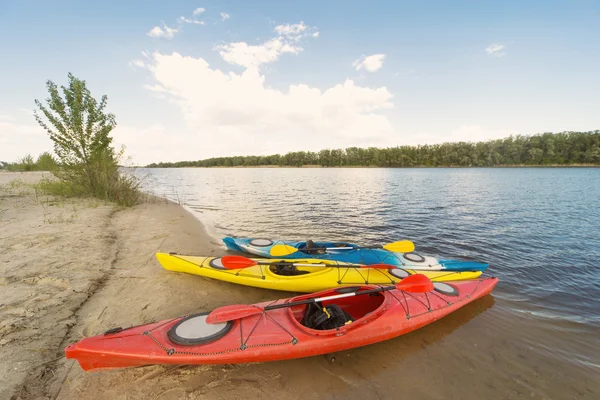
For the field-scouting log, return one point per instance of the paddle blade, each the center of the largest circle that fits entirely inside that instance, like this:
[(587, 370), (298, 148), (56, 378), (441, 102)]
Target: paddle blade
[(417, 283), (379, 266), (229, 313), (282, 250), (237, 262), (402, 246)]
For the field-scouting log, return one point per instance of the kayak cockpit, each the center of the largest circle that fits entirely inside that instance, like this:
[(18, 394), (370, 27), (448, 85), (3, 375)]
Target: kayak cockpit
[(312, 248), (332, 315), (293, 269), (287, 270)]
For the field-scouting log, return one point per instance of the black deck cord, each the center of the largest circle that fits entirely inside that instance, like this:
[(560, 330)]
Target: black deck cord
[(402, 305), (440, 297), (243, 345)]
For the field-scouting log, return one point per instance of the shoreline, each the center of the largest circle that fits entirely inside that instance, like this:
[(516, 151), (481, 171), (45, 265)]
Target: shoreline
[(412, 167), (82, 267), (71, 264)]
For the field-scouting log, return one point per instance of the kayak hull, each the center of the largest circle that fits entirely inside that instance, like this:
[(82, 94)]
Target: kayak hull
[(367, 256), (278, 334), (315, 279)]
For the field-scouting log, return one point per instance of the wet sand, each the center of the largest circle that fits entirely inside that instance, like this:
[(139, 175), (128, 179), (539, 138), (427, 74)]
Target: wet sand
[(78, 268)]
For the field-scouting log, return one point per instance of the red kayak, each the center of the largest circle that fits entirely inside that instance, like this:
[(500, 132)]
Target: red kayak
[(351, 317)]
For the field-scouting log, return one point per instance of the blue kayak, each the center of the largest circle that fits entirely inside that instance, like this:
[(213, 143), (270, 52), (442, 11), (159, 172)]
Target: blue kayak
[(351, 253)]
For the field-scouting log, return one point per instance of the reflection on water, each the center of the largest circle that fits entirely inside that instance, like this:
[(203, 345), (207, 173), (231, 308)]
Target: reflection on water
[(537, 228)]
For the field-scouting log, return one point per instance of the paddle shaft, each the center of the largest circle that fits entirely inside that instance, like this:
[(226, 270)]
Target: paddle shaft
[(240, 262), (373, 266), (403, 246), (414, 283), (285, 264), (336, 296), (304, 249)]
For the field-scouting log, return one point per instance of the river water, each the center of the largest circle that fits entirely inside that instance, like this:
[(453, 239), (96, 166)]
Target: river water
[(538, 228)]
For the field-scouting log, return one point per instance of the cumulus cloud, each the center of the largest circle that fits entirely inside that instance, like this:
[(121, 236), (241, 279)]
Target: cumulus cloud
[(225, 16), (241, 113), (198, 11), (369, 63), (252, 56), (164, 32), (495, 50), (315, 35)]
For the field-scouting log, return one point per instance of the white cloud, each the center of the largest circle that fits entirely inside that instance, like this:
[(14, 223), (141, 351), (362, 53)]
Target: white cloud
[(164, 32), (185, 20), (369, 63), (241, 53), (198, 11), (230, 113), (315, 35), (246, 55), (291, 29), (225, 16), (495, 50), (137, 63)]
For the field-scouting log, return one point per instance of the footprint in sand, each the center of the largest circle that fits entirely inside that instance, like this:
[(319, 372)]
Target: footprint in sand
[(47, 280)]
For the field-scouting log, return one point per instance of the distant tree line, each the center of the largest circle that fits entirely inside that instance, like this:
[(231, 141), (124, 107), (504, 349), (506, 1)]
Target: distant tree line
[(565, 148)]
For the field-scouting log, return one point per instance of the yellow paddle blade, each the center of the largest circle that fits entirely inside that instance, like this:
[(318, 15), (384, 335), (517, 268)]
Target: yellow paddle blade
[(403, 246), (282, 250)]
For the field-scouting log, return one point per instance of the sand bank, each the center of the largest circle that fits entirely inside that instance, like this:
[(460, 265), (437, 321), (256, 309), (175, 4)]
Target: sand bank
[(70, 269)]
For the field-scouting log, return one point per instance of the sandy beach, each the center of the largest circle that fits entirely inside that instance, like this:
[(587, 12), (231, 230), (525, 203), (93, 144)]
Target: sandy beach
[(77, 267)]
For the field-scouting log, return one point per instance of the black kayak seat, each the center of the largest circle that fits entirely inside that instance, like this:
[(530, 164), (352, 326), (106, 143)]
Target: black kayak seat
[(288, 270), (323, 318), (312, 248)]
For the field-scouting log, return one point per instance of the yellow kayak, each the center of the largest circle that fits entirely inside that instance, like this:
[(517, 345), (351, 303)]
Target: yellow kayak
[(279, 275)]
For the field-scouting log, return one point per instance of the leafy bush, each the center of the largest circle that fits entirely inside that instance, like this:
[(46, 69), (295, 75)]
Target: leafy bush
[(45, 162), (23, 164)]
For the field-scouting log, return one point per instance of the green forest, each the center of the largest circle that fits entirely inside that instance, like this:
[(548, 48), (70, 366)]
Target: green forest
[(565, 148)]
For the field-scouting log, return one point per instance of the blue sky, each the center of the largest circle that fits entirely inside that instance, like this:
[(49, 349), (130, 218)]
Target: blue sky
[(195, 79)]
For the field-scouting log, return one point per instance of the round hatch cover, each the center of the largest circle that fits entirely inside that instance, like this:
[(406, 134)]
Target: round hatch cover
[(216, 263), (261, 242), (445, 288), (414, 257), (398, 273), (195, 330)]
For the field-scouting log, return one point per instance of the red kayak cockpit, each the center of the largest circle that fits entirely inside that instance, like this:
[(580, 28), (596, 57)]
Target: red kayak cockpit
[(331, 316)]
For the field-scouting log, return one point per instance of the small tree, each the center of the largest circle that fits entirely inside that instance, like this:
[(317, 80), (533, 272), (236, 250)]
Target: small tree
[(45, 162), (25, 163), (80, 129)]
